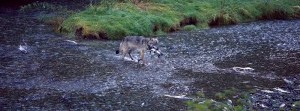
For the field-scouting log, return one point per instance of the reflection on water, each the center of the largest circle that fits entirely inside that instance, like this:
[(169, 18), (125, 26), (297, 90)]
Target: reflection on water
[(42, 70)]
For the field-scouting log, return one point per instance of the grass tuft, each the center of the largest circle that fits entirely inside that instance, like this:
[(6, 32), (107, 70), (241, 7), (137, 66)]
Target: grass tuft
[(189, 27)]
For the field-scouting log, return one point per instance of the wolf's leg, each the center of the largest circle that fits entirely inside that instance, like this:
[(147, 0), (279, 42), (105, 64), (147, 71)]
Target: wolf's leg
[(142, 56), (130, 55), (124, 52)]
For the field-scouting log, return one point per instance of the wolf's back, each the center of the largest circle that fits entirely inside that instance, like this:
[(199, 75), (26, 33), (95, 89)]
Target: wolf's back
[(131, 43)]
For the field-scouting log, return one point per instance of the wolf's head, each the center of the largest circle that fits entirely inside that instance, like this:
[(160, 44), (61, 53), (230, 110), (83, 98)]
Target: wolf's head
[(153, 42), (153, 46)]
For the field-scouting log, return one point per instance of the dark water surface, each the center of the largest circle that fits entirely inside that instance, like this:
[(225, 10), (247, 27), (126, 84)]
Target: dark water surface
[(41, 70)]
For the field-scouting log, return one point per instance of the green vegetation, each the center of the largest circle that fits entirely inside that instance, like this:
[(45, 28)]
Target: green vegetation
[(118, 18), (296, 106), (228, 100)]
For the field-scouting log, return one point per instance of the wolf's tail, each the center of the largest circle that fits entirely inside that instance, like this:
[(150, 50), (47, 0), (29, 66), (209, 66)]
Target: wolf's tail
[(117, 51)]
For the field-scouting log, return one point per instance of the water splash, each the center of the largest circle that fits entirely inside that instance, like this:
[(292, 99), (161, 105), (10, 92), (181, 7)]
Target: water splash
[(23, 47), (243, 69), (71, 41), (177, 97)]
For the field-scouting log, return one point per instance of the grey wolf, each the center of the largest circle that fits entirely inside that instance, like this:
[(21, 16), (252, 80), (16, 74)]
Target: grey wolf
[(139, 43)]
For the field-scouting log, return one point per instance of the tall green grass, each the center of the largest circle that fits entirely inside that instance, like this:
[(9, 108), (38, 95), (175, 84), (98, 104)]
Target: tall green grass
[(152, 17)]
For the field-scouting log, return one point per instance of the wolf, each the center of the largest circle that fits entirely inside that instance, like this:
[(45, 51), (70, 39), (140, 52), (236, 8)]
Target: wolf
[(139, 43)]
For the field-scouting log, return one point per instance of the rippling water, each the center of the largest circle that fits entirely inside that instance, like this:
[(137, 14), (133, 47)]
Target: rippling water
[(42, 70)]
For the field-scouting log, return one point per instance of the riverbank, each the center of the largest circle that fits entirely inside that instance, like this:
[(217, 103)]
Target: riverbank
[(115, 20)]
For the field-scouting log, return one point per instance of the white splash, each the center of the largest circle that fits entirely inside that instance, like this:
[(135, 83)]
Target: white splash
[(23, 48), (288, 81), (281, 90), (264, 106), (282, 105), (229, 101), (129, 59), (267, 91), (177, 97), (243, 69), (246, 82), (71, 41)]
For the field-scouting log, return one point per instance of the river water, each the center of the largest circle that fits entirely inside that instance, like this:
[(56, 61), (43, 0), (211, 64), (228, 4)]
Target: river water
[(41, 70)]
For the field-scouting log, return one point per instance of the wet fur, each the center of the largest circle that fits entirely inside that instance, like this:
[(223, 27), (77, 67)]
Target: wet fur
[(132, 43)]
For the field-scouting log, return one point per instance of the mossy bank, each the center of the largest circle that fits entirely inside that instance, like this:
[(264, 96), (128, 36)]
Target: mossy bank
[(119, 18)]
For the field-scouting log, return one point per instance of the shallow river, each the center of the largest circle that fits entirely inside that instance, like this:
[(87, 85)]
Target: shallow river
[(41, 70)]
